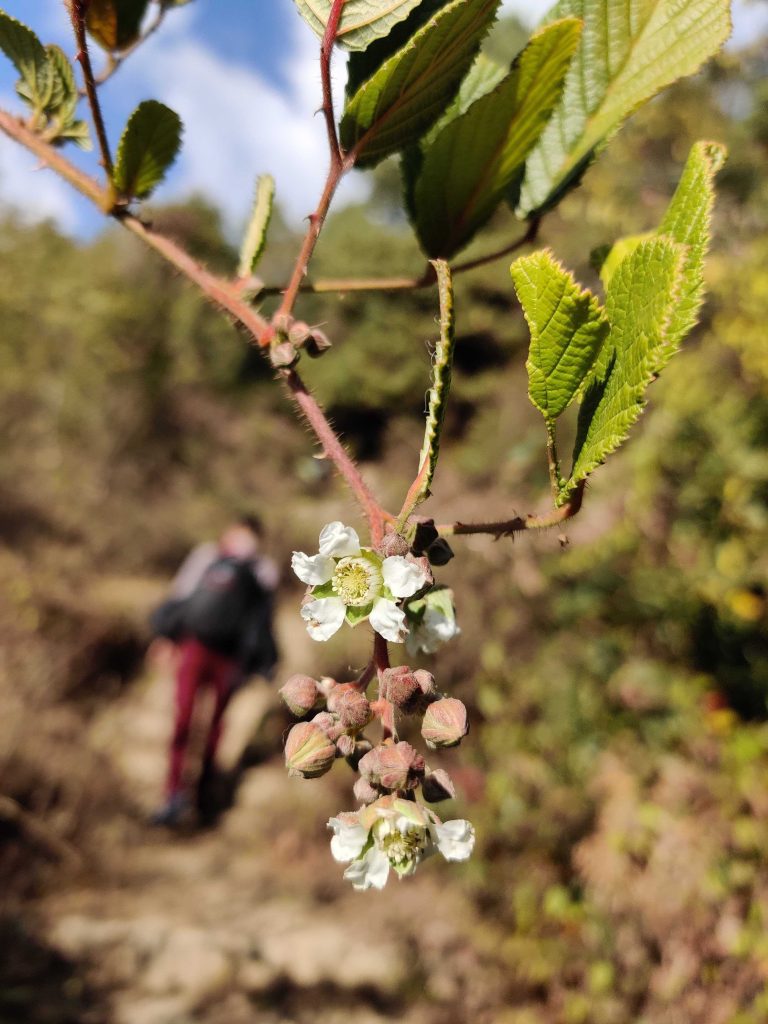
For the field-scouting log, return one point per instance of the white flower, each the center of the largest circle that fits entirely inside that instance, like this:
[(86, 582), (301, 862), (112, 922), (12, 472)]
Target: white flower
[(354, 583), (434, 629), (397, 834)]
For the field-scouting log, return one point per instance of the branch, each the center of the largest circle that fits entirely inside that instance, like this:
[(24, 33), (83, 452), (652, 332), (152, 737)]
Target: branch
[(217, 290), (397, 284), (77, 11), (520, 523), (326, 52), (337, 453)]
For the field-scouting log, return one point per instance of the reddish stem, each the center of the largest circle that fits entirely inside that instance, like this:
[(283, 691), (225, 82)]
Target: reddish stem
[(386, 708), (338, 454), (78, 10), (520, 523), (326, 53)]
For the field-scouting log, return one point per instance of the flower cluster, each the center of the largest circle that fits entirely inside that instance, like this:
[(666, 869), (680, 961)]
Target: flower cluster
[(395, 592), (394, 833)]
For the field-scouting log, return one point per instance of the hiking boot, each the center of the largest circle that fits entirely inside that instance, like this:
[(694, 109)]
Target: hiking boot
[(172, 813)]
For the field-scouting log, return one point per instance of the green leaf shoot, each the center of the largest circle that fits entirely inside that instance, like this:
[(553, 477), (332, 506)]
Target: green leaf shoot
[(412, 89), (28, 55), (630, 50), (640, 305), (149, 145), (256, 233), (567, 326)]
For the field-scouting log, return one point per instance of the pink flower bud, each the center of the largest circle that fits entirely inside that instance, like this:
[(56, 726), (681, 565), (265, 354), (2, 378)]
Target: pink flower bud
[(437, 786), (345, 745), (362, 747), (445, 723), (364, 792), (353, 710), (317, 343), (426, 681), (283, 355), (300, 693), (298, 333), (401, 687), (329, 724), (394, 767), (308, 751), (392, 544)]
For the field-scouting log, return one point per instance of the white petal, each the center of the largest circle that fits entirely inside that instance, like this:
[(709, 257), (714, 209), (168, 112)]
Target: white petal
[(348, 840), (339, 540), (402, 577), (440, 626), (372, 870), (389, 621), (323, 617), (455, 839), (312, 569)]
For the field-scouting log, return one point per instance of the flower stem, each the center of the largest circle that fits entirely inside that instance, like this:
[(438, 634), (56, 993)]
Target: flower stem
[(386, 707)]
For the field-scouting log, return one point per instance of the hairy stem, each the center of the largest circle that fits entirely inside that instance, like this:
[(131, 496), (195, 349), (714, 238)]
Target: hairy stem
[(520, 523), (337, 453), (77, 11), (326, 52)]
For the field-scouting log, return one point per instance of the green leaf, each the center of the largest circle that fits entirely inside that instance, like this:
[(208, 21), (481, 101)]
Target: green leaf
[(471, 164), (28, 56), (687, 221), (115, 24), (256, 234), (77, 132), (149, 145), (64, 95), (361, 21), (607, 258), (414, 87), (630, 50), (568, 327), (640, 306)]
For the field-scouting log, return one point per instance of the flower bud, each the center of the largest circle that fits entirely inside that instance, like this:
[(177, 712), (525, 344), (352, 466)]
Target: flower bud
[(283, 355), (308, 751), (364, 792), (396, 766), (425, 535), (437, 786), (362, 747), (282, 322), (402, 688), (329, 724), (426, 681), (439, 552), (317, 343), (298, 333), (353, 710), (392, 544), (445, 723), (300, 693), (345, 745)]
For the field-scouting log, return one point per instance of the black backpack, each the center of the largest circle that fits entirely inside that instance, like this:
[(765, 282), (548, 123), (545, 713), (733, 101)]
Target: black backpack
[(230, 611)]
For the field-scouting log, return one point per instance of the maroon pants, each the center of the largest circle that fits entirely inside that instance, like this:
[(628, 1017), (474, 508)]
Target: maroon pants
[(199, 667)]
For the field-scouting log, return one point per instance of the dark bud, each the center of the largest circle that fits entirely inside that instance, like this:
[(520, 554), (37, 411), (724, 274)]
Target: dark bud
[(439, 552), (426, 534), (437, 786)]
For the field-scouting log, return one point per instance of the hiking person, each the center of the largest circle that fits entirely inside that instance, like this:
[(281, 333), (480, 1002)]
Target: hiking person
[(219, 616)]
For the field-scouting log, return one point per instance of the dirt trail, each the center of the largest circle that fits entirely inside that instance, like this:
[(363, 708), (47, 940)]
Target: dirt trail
[(251, 921)]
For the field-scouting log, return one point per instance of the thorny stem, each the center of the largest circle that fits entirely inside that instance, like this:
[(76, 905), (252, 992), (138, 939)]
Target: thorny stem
[(402, 284), (77, 11), (337, 453), (326, 52), (338, 168), (520, 523)]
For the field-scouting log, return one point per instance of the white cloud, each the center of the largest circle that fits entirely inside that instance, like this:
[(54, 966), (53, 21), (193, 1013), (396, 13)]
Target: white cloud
[(238, 123)]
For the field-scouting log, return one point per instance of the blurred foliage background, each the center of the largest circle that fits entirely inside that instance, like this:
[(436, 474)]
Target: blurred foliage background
[(618, 684)]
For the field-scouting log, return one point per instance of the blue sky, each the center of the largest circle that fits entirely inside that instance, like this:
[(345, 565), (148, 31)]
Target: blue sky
[(243, 75)]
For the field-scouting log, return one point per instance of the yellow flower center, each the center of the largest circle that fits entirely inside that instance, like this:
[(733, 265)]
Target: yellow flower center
[(357, 581), (403, 849)]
